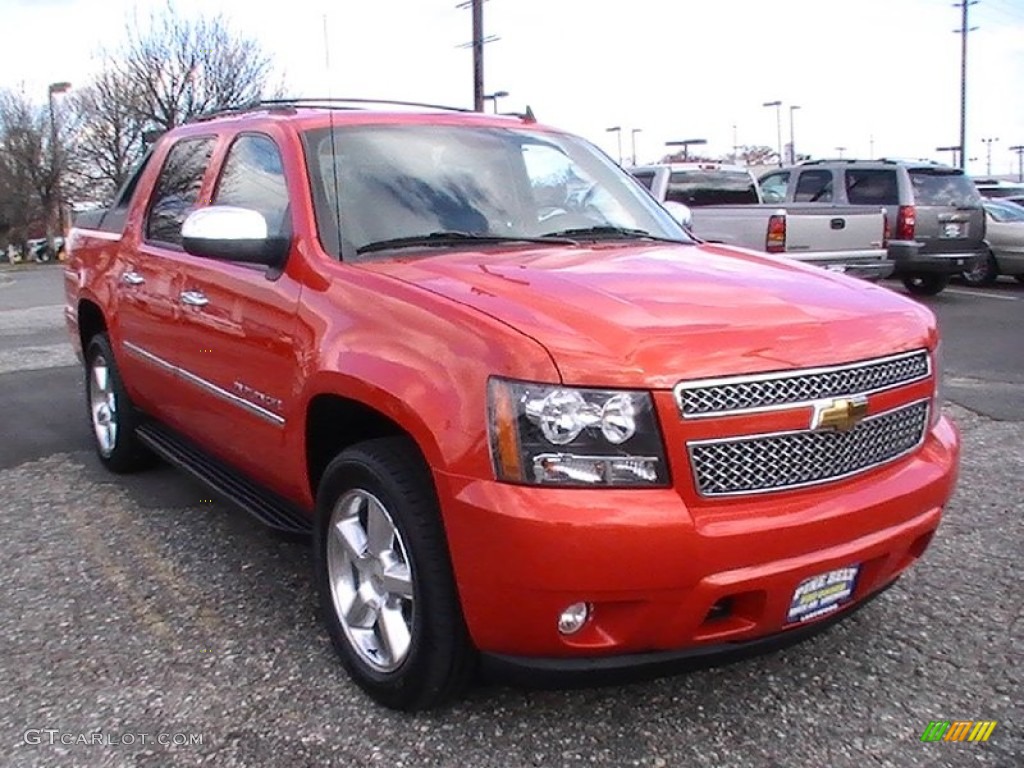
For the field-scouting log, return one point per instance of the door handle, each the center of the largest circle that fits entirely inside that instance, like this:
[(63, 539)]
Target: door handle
[(132, 278), (194, 298)]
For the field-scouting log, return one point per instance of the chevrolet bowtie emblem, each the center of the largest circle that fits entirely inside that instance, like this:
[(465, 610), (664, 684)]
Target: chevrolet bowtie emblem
[(841, 414)]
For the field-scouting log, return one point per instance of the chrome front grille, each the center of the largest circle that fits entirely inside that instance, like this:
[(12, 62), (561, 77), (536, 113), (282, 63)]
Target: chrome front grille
[(782, 460), (768, 391)]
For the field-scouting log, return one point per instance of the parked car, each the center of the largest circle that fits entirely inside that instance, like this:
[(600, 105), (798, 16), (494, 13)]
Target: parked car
[(528, 421), (39, 249), (934, 213), (998, 189), (723, 204), (1005, 239)]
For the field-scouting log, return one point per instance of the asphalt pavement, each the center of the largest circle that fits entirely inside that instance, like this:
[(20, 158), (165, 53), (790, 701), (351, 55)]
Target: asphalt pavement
[(171, 629)]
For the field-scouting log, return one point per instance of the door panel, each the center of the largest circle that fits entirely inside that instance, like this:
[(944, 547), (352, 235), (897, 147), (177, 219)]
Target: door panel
[(239, 365)]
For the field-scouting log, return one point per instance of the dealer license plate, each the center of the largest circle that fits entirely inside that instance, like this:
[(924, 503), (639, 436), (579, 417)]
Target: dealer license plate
[(822, 594), (954, 229)]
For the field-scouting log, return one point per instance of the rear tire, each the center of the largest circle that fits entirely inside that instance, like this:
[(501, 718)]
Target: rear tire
[(925, 284), (111, 413), (384, 575), (984, 272)]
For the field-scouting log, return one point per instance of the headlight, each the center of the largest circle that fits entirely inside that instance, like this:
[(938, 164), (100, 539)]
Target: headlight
[(938, 395), (551, 435)]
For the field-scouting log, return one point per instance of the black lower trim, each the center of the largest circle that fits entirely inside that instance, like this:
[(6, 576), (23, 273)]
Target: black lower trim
[(545, 672), (270, 509)]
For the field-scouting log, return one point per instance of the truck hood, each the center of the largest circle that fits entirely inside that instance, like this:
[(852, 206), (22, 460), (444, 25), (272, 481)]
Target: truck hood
[(650, 315)]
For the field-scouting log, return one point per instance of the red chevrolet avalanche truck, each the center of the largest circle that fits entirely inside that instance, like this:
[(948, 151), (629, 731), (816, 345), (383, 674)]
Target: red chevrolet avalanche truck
[(527, 420)]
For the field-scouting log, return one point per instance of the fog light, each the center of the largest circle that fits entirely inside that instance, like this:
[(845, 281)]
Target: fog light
[(573, 618)]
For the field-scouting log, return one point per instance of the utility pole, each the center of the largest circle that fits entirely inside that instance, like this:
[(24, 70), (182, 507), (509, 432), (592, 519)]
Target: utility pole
[(988, 155), (963, 5), (1019, 149), (478, 56), (477, 44)]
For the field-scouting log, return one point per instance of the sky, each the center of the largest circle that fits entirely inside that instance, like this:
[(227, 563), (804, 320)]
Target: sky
[(880, 75)]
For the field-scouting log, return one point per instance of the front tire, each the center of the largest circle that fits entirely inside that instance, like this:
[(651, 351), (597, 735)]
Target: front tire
[(385, 579), (984, 272), (925, 284), (111, 413)]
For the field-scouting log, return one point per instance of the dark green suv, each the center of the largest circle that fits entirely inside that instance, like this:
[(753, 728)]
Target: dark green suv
[(934, 213)]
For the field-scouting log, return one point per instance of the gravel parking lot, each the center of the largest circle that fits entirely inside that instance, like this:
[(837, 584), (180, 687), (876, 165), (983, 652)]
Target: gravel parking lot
[(184, 633)]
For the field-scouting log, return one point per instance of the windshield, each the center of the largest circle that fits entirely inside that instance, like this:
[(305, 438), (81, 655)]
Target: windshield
[(941, 187), (396, 182)]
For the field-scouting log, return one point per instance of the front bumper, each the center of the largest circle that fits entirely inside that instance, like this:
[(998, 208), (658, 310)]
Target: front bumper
[(654, 567), (602, 670)]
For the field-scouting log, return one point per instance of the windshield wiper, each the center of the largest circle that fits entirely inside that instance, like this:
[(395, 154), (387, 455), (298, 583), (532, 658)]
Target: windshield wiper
[(441, 239), (599, 232)]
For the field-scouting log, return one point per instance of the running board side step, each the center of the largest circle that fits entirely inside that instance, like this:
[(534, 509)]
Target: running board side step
[(267, 507)]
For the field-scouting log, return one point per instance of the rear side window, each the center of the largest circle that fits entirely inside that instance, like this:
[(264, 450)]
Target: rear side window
[(177, 189), (774, 186), (697, 188), (872, 187), (814, 187), (645, 177), (253, 178), (936, 186)]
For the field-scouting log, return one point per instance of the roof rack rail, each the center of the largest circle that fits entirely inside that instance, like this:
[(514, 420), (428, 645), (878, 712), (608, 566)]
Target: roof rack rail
[(327, 102)]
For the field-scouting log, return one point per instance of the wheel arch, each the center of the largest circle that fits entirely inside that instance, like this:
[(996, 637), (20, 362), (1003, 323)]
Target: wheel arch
[(338, 417)]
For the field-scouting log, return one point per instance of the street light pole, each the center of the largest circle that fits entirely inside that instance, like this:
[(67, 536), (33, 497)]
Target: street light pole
[(493, 97), (778, 121), (685, 144), (840, 150), (617, 130), (633, 134), (1019, 149), (988, 155), (792, 136), (954, 150), (55, 214)]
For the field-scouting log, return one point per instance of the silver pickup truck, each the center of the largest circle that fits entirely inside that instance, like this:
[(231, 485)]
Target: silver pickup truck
[(723, 204)]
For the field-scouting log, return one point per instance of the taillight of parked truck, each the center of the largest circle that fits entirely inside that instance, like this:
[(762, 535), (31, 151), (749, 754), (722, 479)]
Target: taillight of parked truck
[(906, 220), (775, 242)]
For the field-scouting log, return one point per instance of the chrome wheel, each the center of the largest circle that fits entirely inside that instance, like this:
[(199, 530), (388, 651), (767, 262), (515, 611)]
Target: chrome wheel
[(103, 405), (370, 580)]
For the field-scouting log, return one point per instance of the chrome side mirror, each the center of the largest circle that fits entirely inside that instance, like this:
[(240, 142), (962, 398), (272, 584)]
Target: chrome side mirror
[(232, 234)]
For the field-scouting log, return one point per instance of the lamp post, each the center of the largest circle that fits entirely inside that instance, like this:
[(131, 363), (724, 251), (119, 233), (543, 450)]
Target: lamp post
[(778, 121), (840, 150), (954, 150), (685, 144), (633, 134), (617, 130), (792, 136), (493, 97), (55, 214), (988, 155)]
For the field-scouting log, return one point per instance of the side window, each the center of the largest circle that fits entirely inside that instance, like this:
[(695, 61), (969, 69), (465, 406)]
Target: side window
[(871, 187), (177, 189), (774, 186), (645, 177), (115, 216), (814, 187), (253, 177)]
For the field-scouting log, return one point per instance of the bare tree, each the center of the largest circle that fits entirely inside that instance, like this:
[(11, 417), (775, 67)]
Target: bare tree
[(30, 166), (110, 139), (183, 66)]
